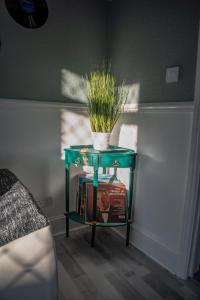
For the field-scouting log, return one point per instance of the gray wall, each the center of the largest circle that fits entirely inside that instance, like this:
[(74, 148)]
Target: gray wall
[(141, 38), (31, 61), (147, 36)]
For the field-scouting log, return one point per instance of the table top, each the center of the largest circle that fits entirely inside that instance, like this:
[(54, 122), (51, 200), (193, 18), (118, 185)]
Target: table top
[(87, 155), (89, 150)]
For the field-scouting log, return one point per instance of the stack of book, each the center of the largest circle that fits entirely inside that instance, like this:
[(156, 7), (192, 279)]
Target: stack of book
[(111, 199)]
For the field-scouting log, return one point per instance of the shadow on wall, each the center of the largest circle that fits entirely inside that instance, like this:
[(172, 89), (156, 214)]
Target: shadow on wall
[(73, 86), (75, 129)]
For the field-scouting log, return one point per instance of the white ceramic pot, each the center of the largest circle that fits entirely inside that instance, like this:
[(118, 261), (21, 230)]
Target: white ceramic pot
[(101, 140)]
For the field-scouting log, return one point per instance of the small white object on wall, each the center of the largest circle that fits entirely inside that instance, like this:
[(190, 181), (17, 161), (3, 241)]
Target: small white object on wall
[(172, 74)]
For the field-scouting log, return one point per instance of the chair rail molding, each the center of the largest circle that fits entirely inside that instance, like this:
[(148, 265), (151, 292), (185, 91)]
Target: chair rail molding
[(150, 107)]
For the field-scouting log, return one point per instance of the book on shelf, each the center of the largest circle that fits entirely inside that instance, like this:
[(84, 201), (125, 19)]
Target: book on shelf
[(81, 193), (111, 199)]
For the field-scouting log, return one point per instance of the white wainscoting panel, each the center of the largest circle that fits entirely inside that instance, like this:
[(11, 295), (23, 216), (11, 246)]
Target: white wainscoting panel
[(33, 135), (162, 137)]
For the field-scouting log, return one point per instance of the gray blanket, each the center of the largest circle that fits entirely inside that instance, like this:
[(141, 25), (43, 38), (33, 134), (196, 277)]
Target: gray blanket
[(19, 213)]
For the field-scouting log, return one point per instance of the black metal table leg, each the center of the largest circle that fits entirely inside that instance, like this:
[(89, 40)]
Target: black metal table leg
[(95, 187), (67, 200), (93, 235), (67, 226), (130, 196), (94, 215), (127, 234)]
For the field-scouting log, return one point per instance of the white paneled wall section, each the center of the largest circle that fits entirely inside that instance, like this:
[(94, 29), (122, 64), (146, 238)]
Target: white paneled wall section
[(33, 135)]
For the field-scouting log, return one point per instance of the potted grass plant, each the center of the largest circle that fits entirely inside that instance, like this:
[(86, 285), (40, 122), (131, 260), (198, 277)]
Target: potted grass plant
[(104, 105)]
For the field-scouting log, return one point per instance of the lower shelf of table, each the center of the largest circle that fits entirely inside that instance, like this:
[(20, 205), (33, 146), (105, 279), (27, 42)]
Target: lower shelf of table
[(73, 215)]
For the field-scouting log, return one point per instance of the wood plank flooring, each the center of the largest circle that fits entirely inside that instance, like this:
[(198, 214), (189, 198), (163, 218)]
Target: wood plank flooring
[(110, 271)]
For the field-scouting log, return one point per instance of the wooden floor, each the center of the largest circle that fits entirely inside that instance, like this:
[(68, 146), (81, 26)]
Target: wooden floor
[(110, 271)]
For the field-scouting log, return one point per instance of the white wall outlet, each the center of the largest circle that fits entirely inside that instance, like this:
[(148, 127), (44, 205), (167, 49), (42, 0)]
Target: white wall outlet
[(172, 74)]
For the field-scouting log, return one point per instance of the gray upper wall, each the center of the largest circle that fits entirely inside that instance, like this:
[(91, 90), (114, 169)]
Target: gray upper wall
[(140, 37), (148, 36), (32, 60)]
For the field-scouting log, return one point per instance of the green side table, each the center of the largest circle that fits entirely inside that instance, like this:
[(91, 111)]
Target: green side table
[(115, 157)]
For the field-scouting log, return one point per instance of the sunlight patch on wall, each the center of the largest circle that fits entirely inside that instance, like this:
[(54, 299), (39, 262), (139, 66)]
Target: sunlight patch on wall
[(75, 130), (128, 138), (133, 97), (73, 86)]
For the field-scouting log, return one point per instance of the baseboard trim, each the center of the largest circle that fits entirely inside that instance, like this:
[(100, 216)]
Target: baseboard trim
[(30, 104), (162, 255), (57, 218), (58, 225), (70, 230)]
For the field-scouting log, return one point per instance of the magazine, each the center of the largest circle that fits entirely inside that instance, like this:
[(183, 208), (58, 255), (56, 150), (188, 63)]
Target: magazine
[(111, 199), (111, 203), (81, 197)]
